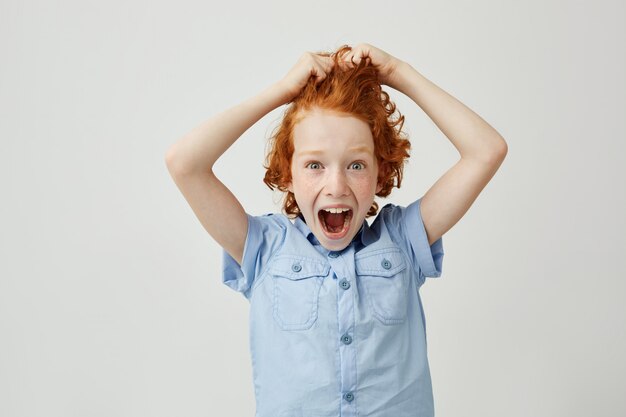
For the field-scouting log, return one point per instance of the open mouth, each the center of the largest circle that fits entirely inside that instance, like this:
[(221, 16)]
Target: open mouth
[(335, 221)]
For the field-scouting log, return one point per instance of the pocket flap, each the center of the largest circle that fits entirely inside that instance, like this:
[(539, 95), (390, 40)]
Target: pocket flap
[(385, 262), (298, 267)]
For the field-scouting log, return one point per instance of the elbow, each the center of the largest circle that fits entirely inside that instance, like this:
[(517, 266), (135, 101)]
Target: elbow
[(498, 151), (501, 151), (498, 155), (173, 163), (493, 154), (170, 159), (504, 149), (179, 166)]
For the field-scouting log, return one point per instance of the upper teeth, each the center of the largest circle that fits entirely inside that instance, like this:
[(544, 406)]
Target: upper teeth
[(336, 210)]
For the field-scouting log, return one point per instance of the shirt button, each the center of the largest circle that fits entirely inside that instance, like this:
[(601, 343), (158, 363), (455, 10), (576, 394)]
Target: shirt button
[(296, 267), (344, 284), (333, 254), (346, 339), (348, 396), (386, 264)]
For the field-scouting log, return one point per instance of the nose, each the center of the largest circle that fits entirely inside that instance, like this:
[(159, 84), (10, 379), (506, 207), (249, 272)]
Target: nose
[(337, 184)]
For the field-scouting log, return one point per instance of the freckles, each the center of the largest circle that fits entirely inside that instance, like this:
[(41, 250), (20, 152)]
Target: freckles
[(307, 187), (308, 183), (364, 184)]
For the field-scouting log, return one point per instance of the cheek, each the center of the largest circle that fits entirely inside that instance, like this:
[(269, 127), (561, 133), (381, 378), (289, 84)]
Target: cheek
[(304, 182), (364, 187), (304, 187)]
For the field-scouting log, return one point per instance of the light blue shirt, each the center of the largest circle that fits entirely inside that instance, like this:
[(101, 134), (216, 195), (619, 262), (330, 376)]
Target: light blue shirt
[(338, 334)]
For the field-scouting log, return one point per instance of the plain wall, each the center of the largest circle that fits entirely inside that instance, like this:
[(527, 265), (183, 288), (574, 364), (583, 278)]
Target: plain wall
[(111, 301)]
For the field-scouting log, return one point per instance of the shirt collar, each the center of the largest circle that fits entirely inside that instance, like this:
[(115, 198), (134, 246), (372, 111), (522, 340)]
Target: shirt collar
[(304, 229), (365, 235)]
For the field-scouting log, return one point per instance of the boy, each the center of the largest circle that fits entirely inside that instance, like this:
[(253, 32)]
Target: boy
[(336, 322)]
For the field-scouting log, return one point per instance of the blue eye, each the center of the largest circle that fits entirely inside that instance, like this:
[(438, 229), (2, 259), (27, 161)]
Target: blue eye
[(357, 165), (314, 165)]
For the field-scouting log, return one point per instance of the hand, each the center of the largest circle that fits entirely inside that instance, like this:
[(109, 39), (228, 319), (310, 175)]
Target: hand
[(309, 65), (386, 64)]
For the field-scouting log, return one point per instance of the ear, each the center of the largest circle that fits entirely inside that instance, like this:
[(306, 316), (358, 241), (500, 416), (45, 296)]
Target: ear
[(379, 187), (289, 187)]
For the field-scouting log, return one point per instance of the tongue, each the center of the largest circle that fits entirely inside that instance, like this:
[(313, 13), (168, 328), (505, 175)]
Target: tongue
[(334, 220)]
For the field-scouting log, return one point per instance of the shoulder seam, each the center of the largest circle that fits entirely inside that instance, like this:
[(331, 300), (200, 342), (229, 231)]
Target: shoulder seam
[(279, 219)]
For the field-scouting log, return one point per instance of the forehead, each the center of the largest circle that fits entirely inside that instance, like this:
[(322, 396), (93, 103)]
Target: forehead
[(320, 130)]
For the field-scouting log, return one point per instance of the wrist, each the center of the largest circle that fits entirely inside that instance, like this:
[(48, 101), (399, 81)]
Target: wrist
[(276, 94), (285, 91), (400, 78)]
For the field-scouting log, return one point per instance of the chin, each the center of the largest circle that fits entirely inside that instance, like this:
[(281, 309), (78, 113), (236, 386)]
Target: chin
[(336, 245)]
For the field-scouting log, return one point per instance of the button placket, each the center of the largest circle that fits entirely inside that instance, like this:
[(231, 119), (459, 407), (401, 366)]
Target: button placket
[(342, 264)]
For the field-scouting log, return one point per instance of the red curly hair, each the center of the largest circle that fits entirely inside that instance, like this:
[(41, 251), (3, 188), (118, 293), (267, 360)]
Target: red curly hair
[(357, 92)]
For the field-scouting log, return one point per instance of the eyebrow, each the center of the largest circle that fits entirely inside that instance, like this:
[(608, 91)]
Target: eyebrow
[(312, 152), (358, 149), (363, 149)]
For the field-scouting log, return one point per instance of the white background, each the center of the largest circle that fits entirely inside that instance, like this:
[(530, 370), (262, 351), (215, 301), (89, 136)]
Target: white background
[(111, 301)]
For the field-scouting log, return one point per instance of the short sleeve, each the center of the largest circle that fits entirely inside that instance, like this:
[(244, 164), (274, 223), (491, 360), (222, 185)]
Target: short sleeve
[(265, 236), (409, 225)]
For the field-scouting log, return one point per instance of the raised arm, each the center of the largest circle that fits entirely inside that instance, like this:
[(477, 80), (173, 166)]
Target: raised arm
[(190, 160), (480, 146)]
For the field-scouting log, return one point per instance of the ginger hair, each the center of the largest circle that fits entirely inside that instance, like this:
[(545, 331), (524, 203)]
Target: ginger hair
[(357, 92)]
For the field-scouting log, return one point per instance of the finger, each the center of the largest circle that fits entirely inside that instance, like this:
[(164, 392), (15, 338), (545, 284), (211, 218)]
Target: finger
[(344, 60), (354, 58), (344, 64), (360, 56), (360, 52), (319, 73), (327, 63), (347, 59)]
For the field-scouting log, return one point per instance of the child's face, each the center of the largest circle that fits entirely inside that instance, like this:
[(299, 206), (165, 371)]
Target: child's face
[(333, 167)]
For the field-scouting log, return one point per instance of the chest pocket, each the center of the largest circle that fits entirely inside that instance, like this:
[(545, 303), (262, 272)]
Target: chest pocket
[(383, 275), (296, 287)]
